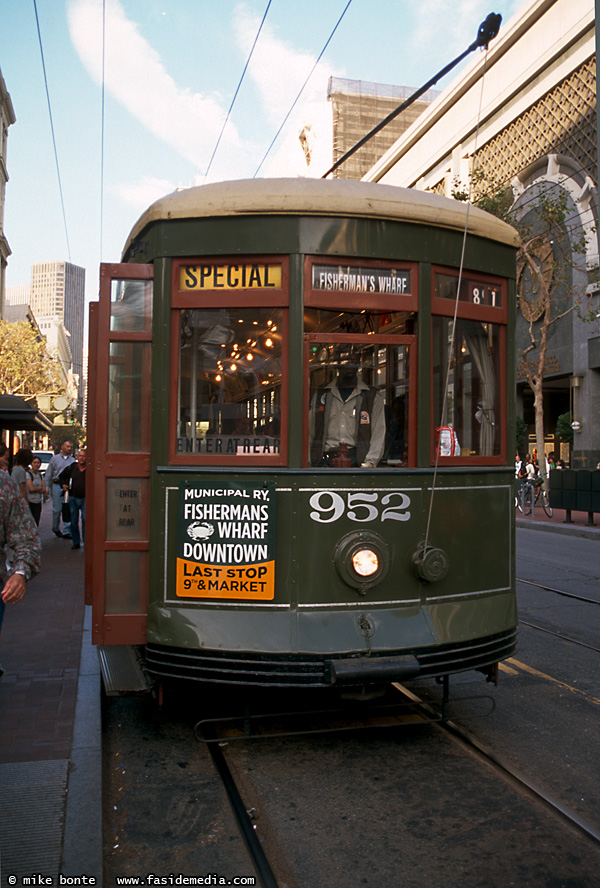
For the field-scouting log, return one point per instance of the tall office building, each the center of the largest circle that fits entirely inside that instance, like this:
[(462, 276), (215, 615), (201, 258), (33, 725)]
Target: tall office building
[(58, 290)]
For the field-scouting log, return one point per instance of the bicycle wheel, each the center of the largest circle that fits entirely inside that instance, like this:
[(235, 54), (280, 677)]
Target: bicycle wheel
[(546, 503)]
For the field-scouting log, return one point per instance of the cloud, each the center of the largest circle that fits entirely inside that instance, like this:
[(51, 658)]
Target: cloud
[(279, 72), (277, 69), (145, 192), (135, 75)]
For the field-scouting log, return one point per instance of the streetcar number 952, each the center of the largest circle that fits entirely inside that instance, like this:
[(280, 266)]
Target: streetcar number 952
[(330, 506)]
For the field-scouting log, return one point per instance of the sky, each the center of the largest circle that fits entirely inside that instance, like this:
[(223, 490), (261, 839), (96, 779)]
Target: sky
[(171, 70)]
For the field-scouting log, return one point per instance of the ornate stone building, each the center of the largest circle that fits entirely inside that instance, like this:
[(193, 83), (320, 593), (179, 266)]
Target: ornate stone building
[(7, 118), (523, 114)]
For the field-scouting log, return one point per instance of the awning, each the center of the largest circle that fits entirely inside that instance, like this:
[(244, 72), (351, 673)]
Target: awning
[(17, 415)]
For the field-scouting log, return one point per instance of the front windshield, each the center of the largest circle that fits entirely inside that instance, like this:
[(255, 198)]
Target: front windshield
[(358, 388)]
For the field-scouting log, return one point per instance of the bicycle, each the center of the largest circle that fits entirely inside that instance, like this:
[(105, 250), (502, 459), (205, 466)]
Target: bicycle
[(533, 493)]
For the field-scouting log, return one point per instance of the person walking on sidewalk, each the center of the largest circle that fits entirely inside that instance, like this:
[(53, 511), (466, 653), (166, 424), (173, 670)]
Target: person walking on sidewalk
[(23, 459), (36, 489), (73, 482), (56, 466), (18, 532)]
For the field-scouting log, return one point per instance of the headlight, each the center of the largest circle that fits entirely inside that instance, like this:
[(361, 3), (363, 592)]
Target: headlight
[(365, 562), (362, 560)]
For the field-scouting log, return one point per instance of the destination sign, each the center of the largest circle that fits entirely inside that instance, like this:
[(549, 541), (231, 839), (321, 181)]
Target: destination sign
[(226, 541), (473, 291), (355, 279), (230, 276)]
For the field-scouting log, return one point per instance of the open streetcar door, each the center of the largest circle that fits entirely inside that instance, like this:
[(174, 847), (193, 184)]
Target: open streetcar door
[(118, 486)]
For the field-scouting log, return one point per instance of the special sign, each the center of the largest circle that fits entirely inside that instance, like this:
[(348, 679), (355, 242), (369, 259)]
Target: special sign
[(225, 541), (230, 276)]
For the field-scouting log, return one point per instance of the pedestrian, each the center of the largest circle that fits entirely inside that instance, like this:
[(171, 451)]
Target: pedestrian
[(3, 458), (23, 459), (19, 533), (59, 462), (36, 489), (531, 469), (522, 472), (72, 480)]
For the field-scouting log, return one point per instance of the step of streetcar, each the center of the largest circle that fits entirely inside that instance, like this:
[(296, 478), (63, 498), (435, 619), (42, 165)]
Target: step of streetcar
[(122, 670)]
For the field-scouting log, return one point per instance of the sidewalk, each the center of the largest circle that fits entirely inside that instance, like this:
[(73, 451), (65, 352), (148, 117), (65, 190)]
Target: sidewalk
[(50, 734), (557, 524)]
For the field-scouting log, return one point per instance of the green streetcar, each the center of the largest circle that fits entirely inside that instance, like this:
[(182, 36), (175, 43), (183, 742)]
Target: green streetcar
[(301, 411)]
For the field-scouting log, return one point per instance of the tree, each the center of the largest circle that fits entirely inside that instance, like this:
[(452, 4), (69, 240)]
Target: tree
[(27, 369), (551, 247), (73, 432), (563, 427), (522, 436)]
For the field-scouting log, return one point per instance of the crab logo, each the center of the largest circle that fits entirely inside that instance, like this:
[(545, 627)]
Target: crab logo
[(200, 530)]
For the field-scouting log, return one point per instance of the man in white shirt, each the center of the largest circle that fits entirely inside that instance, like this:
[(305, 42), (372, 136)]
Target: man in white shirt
[(58, 464)]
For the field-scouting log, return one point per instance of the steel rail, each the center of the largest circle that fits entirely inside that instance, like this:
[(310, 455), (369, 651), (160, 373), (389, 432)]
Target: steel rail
[(559, 591), (559, 635), (240, 812), (487, 754)]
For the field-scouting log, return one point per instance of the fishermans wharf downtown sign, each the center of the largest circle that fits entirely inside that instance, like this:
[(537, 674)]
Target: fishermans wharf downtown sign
[(226, 541)]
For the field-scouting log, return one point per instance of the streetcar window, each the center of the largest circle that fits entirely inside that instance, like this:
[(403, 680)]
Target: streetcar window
[(230, 378), (318, 320), (131, 306), (469, 425), (358, 388), (128, 404)]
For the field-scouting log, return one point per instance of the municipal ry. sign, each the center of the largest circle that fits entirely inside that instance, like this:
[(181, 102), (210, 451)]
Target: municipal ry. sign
[(226, 541)]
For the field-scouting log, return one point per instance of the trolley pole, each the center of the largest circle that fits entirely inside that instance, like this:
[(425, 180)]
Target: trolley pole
[(488, 29)]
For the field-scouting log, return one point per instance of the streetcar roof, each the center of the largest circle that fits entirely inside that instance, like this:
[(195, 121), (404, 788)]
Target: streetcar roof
[(323, 197)]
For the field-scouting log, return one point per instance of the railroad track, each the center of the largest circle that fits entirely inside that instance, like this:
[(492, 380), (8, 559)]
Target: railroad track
[(561, 635), (559, 591), (460, 733), (423, 712)]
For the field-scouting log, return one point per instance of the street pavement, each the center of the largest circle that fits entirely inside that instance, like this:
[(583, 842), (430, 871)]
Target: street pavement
[(50, 712)]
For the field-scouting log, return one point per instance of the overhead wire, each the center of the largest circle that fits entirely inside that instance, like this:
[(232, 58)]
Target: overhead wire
[(62, 202), (453, 327), (237, 91), (294, 103)]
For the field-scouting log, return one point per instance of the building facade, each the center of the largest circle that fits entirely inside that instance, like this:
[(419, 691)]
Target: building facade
[(523, 115), (352, 109), (7, 118), (57, 296), (357, 107)]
